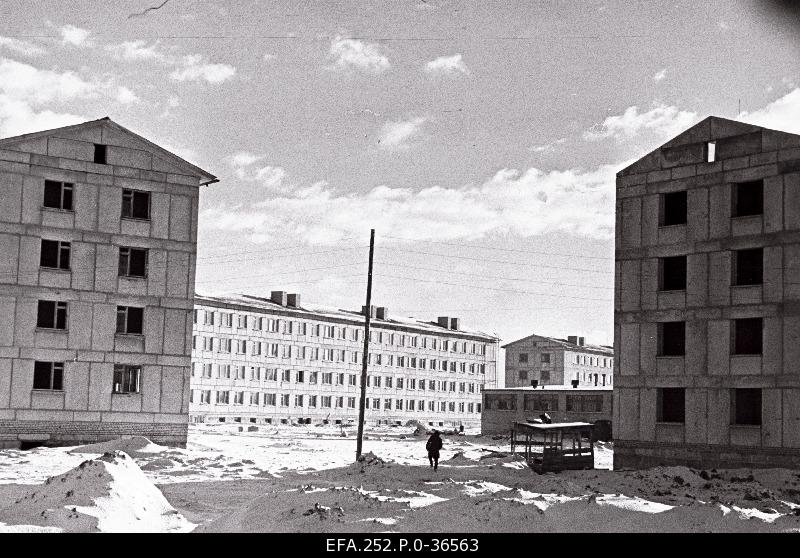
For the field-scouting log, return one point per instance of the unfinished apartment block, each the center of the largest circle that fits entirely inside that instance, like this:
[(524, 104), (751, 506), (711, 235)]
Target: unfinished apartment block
[(98, 231), (707, 301)]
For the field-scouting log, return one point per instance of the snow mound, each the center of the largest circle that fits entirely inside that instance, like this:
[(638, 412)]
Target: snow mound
[(459, 457), (133, 446), (110, 494)]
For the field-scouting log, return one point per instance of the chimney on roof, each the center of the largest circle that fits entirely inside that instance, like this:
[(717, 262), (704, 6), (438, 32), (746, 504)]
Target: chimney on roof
[(455, 323), (382, 313), (573, 339), (278, 297), (293, 300), (443, 321), (371, 310), (581, 341)]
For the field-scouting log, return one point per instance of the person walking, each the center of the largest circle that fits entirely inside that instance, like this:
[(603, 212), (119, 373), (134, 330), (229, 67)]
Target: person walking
[(433, 446)]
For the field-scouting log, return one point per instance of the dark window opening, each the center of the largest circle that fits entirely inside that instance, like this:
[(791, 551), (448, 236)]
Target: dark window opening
[(672, 273), (129, 319), (55, 254), (748, 198), (127, 378), (100, 154), (523, 374), (748, 267), (29, 445), (48, 375), (746, 406), (133, 262), (671, 338), (523, 358), (671, 405), (135, 204), (673, 209), (57, 195), (747, 336), (51, 314)]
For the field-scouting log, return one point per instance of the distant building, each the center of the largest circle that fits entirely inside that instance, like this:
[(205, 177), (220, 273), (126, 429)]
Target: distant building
[(275, 360), (501, 407), (98, 231), (707, 301), (539, 360)]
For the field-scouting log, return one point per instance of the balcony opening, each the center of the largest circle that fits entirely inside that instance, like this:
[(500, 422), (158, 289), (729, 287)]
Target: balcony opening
[(672, 339), (746, 406), (672, 273), (673, 209), (748, 267), (671, 405), (748, 198)]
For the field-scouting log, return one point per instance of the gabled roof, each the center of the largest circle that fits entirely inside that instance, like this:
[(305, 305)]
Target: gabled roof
[(191, 169), (711, 128), (564, 343)]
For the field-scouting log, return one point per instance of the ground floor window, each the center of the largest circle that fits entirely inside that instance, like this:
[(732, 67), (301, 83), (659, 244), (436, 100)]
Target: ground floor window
[(48, 375), (127, 378), (746, 406)]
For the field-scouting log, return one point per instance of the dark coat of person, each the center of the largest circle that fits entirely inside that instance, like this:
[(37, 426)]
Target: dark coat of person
[(434, 445)]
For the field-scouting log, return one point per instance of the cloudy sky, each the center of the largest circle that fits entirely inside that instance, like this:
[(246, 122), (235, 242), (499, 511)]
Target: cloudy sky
[(479, 139)]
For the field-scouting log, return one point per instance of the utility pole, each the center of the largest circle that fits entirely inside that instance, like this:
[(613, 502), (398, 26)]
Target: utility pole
[(365, 359)]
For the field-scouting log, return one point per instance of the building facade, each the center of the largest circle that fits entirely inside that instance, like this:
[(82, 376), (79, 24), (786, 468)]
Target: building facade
[(502, 407), (545, 361), (98, 231), (273, 360), (707, 301)]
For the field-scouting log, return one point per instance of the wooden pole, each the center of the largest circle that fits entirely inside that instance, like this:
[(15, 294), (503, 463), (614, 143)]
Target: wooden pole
[(365, 359)]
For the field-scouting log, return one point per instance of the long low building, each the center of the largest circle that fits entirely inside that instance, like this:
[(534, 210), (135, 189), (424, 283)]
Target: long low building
[(502, 407), (273, 360)]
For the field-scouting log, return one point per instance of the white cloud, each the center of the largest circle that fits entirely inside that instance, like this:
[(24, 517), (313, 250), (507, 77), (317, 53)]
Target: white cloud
[(547, 147), (447, 65), (357, 54), (76, 36), (510, 202), (782, 114), (662, 121), (196, 68), (36, 86), (266, 177), (137, 51), (661, 74), (396, 135), (17, 117), (21, 47)]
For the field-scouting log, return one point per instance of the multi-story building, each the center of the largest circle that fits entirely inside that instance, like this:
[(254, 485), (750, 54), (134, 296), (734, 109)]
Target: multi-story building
[(273, 360), (97, 258), (544, 361), (707, 300)]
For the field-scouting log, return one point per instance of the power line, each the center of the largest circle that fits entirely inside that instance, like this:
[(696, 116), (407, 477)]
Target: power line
[(284, 273), (502, 249), (494, 277), (415, 279), (502, 261)]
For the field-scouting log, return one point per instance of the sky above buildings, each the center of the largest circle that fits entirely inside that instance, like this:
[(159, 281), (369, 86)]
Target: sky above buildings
[(479, 139)]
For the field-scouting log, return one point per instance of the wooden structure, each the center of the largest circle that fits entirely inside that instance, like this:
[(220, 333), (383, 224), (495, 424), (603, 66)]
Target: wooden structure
[(565, 445)]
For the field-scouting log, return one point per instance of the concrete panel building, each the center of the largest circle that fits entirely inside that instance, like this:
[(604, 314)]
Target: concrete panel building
[(275, 360), (545, 361), (707, 300), (98, 231), (502, 407)]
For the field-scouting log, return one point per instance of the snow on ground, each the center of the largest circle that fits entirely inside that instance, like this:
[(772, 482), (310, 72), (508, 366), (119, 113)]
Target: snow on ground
[(108, 494), (305, 478)]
